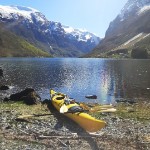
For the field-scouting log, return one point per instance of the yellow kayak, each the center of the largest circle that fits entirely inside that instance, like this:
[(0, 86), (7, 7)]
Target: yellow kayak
[(76, 112)]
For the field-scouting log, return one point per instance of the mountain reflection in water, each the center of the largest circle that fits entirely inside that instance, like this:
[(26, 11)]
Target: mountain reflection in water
[(109, 79)]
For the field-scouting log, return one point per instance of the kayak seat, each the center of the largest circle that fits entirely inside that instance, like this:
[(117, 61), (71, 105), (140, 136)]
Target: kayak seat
[(75, 109), (69, 101), (60, 98)]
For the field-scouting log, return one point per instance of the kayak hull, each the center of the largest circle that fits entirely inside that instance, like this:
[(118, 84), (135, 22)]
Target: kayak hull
[(83, 119)]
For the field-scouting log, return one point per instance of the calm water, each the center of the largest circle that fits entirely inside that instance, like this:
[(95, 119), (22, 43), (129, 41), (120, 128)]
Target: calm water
[(107, 78)]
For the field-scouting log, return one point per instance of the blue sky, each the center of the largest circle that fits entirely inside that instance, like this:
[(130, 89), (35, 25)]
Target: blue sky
[(92, 15)]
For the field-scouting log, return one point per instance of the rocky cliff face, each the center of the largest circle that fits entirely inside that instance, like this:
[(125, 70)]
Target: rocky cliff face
[(50, 36), (131, 28)]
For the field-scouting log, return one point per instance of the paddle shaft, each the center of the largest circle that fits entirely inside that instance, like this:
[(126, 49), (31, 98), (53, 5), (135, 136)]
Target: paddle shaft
[(41, 115), (38, 115)]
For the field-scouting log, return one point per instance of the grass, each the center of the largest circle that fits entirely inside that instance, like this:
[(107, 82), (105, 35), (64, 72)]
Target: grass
[(32, 50), (12, 45), (139, 111), (19, 108)]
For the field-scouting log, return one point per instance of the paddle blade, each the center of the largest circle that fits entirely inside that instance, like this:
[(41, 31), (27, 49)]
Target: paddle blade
[(63, 109), (84, 106), (106, 106), (25, 116), (108, 110)]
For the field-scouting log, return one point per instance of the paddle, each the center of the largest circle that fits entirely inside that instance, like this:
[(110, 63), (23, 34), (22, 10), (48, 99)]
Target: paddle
[(106, 110), (33, 115), (96, 108), (64, 110)]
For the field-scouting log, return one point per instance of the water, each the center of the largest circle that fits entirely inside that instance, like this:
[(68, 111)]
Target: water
[(109, 79)]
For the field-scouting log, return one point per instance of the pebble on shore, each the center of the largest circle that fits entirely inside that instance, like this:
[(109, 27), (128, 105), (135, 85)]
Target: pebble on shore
[(58, 132), (1, 72)]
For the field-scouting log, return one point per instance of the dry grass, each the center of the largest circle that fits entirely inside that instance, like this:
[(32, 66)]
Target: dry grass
[(139, 111), (19, 108)]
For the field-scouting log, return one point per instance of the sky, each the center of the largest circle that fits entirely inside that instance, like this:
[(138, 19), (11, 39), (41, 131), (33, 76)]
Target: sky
[(91, 15)]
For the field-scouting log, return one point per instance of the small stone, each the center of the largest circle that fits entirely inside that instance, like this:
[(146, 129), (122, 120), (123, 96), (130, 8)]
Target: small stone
[(130, 109), (1, 72), (8, 127), (4, 87)]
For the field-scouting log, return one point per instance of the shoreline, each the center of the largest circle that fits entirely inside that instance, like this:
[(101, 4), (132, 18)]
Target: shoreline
[(127, 129), (58, 132)]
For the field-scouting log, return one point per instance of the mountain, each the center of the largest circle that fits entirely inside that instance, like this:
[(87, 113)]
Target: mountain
[(12, 45), (51, 37), (128, 33)]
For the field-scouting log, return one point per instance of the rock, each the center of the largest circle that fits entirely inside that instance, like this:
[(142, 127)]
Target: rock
[(130, 109), (121, 100), (4, 87), (28, 96), (114, 119), (31, 99), (91, 96), (46, 101), (7, 127), (1, 72), (130, 101), (6, 99), (19, 95), (49, 105)]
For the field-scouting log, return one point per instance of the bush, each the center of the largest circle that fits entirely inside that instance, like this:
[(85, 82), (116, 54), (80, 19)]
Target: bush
[(139, 53)]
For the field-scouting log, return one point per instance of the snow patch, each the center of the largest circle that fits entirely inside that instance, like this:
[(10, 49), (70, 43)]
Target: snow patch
[(14, 12), (87, 36), (134, 38), (144, 9), (68, 29), (137, 6), (146, 36), (81, 34)]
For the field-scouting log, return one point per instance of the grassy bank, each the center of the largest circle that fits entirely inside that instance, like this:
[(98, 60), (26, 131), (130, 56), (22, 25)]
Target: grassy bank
[(22, 109), (139, 111)]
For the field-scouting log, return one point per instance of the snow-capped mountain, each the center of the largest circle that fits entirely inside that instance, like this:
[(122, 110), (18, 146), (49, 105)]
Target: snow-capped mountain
[(14, 12), (135, 7), (129, 30), (132, 10), (80, 34), (51, 36)]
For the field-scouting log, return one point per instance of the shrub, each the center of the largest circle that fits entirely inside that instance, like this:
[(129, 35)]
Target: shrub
[(139, 53)]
